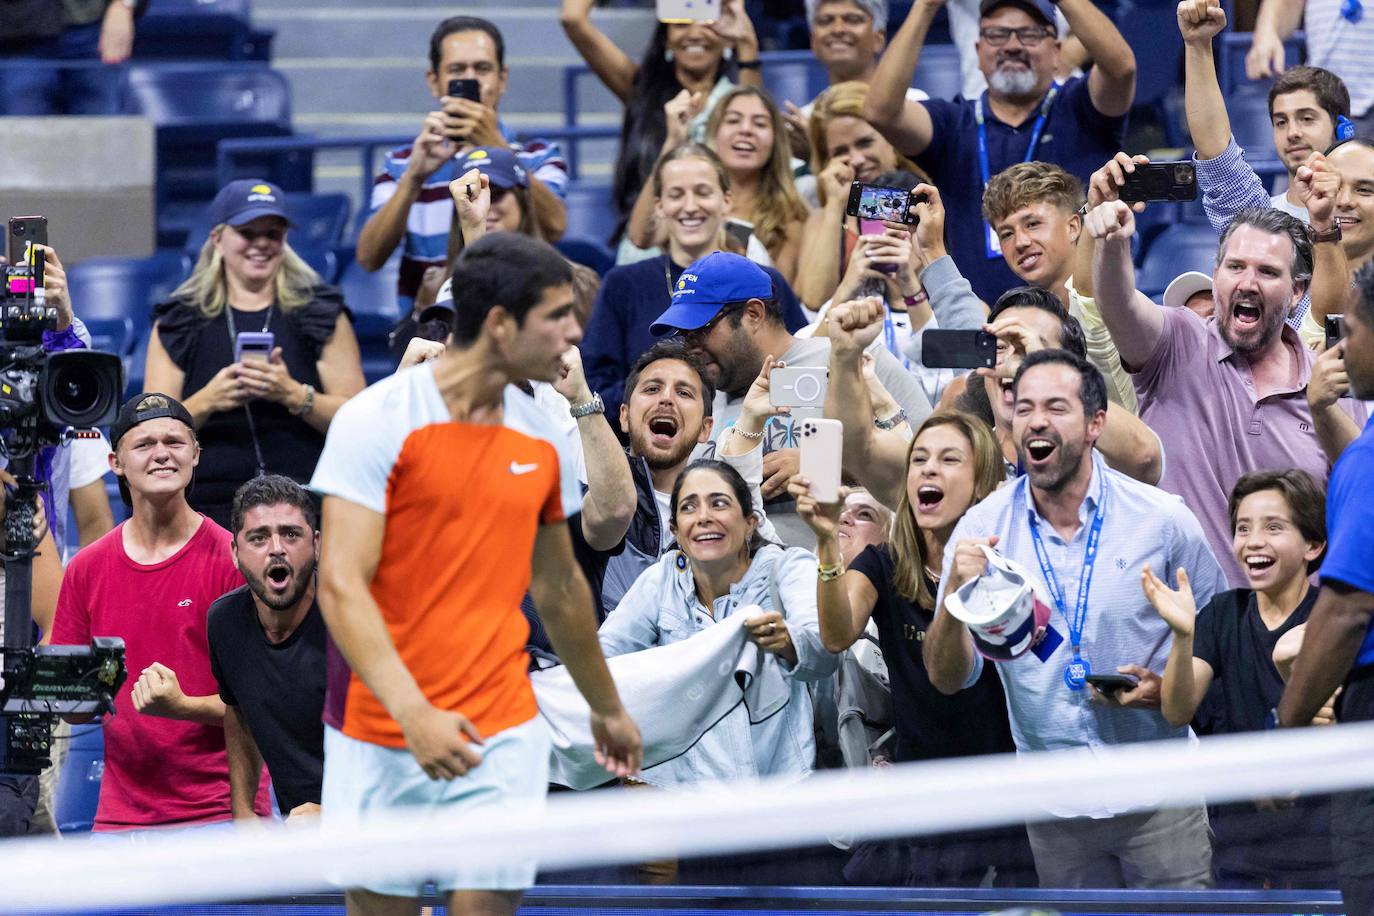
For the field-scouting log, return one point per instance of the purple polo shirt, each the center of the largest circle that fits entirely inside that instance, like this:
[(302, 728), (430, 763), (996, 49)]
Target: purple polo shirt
[(1199, 397)]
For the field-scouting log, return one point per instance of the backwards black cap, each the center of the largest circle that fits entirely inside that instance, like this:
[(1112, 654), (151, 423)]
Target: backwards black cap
[(141, 408)]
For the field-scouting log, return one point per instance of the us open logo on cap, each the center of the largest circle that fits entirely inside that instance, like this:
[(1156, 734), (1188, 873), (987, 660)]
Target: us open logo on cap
[(261, 192), (477, 154), (681, 284)]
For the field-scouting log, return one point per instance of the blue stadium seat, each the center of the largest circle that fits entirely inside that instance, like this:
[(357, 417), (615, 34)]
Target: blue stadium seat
[(371, 297), (937, 72), (115, 295), (1248, 109), (1182, 247), (794, 76), (78, 785), (589, 211), (587, 251), (200, 30), (193, 107)]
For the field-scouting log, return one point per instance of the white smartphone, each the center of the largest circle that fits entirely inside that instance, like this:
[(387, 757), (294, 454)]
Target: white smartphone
[(687, 10), (798, 386), (822, 448)]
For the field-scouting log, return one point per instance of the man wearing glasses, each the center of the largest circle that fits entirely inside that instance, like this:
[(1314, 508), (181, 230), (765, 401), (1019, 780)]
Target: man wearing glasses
[(1023, 116)]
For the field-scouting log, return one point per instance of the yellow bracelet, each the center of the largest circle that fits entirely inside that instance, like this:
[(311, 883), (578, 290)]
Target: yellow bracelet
[(826, 572)]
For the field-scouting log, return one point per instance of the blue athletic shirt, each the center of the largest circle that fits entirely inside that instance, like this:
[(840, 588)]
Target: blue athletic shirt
[(1349, 508)]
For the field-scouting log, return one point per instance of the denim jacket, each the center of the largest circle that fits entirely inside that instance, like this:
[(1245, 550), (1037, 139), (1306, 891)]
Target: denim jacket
[(662, 607)]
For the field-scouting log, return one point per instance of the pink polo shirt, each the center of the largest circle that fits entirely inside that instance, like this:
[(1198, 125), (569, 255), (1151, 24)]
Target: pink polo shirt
[(1199, 397)]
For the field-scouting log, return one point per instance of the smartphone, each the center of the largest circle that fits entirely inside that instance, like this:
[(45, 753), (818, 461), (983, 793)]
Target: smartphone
[(687, 10), (798, 386), (870, 201), (251, 345), (1160, 181), (876, 227), (741, 230), (1335, 330), (1111, 683), (822, 444), (26, 231), (465, 89), (958, 349)]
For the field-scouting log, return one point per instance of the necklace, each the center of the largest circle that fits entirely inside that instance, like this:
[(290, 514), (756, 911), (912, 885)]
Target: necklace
[(229, 320), (247, 410), (668, 275)]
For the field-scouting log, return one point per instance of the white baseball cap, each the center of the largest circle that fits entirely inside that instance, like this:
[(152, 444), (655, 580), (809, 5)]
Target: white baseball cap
[(1184, 287), (1001, 609)]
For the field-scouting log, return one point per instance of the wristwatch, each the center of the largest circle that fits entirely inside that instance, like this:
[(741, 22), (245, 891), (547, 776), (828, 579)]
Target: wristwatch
[(595, 405), (892, 422), (1329, 235)]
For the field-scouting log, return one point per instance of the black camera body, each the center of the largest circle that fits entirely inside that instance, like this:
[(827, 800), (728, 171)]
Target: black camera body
[(45, 399)]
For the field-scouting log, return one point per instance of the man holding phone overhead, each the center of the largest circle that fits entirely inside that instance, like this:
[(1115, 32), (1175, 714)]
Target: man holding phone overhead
[(411, 206)]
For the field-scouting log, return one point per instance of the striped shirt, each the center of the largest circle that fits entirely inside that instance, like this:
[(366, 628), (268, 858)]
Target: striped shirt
[(425, 243), (1143, 524), (1229, 185), (1343, 47)]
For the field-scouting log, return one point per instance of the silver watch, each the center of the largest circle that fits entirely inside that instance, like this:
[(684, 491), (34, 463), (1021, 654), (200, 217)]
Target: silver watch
[(595, 405)]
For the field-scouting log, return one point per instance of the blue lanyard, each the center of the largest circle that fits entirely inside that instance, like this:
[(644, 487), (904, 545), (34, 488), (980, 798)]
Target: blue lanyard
[(1085, 578), (890, 338), (1036, 130)]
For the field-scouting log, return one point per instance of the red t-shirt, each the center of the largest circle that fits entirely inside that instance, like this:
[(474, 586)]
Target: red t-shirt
[(158, 772)]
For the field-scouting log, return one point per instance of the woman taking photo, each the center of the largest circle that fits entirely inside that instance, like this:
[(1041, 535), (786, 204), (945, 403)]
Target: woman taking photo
[(691, 192), (953, 463), (722, 565), (696, 60), (748, 133), (253, 416)]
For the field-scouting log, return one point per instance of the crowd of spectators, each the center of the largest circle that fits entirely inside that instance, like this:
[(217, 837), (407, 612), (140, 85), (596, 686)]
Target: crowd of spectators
[(1184, 486)]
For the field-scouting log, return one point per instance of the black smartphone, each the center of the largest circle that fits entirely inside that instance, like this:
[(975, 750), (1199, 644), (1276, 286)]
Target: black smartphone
[(1111, 683), (26, 231), (741, 230), (465, 89), (958, 349), (1335, 330), (871, 201), (1162, 181)]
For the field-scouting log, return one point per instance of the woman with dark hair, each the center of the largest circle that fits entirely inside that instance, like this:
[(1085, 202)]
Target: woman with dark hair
[(720, 567), (253, 416), (688, 59)]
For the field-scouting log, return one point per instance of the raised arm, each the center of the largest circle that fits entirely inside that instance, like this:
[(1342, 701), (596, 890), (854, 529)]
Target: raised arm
[(1318, 185), (1277, 20), (905, 124), (1186, 678), (1111, 81), (819, 267), (1135, 323), (386, 226), (565, 607), (610, 64), (844, 602), (609, 504), (642, 227), (1199, 21)]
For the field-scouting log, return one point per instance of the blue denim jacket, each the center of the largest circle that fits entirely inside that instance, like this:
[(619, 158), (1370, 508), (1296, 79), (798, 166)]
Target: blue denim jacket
[(662, 607)]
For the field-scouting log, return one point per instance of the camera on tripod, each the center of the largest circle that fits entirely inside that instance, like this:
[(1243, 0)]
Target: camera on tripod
[(45, 399)]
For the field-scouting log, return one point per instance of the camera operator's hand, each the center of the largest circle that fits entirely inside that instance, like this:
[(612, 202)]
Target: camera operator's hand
[(471, 123), (55, 287), (157, 692), (270, 380)]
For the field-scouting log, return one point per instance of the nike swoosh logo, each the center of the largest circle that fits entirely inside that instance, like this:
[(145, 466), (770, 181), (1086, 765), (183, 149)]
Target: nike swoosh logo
[(517, 468)]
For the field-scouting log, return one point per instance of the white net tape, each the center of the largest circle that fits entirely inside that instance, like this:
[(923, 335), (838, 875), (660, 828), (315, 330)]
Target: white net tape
[(615, 827)]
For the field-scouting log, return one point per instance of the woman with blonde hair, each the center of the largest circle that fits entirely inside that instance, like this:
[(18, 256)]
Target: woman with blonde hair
[(253, 415), (748, 134)]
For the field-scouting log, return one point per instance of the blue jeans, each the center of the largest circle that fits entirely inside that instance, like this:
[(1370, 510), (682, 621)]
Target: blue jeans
[(38, 90)]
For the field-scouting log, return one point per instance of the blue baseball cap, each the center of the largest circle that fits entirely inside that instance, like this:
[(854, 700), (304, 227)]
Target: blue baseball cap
[(1040, 9), (707, 285), (498, 164), (240, 202)]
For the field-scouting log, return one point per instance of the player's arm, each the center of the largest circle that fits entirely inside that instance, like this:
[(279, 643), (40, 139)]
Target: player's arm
[(565, 606), (349, 554), (245, 765)]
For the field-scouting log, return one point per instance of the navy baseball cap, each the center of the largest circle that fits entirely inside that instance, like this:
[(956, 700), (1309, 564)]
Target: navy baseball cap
[(1039, 9), (498, 164), (240, 202), (707, 285), (150, 405)]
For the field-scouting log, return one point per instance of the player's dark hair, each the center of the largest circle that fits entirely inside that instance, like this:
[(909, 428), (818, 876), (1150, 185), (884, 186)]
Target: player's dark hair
[(272, 490), (1037, 297), (1092, 390), (503, 269), (455, 24), (674, 349)]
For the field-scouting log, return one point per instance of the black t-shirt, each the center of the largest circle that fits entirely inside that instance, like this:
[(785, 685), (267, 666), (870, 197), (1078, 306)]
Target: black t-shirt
[(929, 723), (1291, 843), (278, 689)]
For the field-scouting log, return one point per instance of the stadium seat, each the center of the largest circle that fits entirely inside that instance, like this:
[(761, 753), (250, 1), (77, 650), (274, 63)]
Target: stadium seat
[(589, 252), (796, 77), (1182, 247), (371, 297), (589, 211), (193, 107), (937, 73), (78, 786), (200, 30), (1248, 109), (114, 296)]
